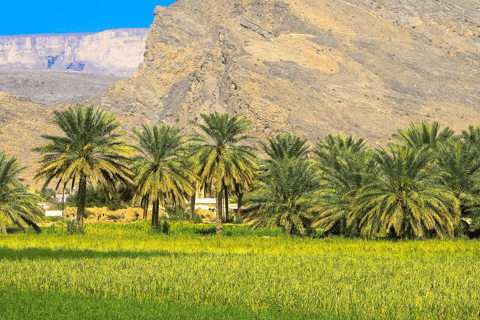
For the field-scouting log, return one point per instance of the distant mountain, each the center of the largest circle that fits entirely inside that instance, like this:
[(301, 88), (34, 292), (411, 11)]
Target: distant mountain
[(112, 52)]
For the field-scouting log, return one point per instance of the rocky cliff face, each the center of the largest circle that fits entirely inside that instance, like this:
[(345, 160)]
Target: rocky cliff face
[(112, 52), (312, 67)]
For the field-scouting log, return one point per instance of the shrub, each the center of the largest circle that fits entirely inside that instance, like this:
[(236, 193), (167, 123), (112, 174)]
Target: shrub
[(238, 220), (178, 213), (72, 227), (196, 218), (166, 228)]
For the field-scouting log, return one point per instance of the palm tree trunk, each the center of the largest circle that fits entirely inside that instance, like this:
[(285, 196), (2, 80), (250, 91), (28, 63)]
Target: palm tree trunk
[(63, 201), (218, 209), (155, 207), (192, 206), (227, 218), (239, 208), (82, 193), (146, 201)]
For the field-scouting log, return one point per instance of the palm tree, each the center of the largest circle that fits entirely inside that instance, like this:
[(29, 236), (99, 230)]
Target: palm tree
[(161, 175), (285, 186), (417, 136), (284, 190), (90, 152), (345, 163), (16, 204), (221, 160), (404, 198), (285, 145), (458, 161)]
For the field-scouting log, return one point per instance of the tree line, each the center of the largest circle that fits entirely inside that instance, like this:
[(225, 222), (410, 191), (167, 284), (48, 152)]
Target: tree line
[(425, 184)]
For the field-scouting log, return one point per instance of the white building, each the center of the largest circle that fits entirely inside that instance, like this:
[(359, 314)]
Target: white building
[(53, 213)]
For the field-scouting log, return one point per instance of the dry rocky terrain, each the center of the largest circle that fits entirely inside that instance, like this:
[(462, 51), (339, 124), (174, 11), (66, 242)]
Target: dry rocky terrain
[(49, 87), (312, 67)]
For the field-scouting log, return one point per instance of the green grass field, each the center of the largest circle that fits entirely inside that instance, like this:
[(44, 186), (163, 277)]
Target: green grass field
[(243, 276)]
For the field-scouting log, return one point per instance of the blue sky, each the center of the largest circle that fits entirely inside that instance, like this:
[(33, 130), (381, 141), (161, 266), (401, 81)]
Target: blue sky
[(31, 17)]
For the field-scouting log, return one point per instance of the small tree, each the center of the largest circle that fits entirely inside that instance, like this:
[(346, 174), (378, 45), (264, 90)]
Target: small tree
[(404, 198)]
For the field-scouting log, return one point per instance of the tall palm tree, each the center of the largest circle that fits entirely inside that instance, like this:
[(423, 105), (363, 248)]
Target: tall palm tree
[(405, 199), (89, 152), (161, 175), (16, 204), (222, 160), (345, 163)]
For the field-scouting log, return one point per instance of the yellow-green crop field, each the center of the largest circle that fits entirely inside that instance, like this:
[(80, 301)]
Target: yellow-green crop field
[(361, 279)]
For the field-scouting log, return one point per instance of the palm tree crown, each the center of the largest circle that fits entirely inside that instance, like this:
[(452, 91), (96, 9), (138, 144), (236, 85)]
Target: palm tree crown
[(417, 136)]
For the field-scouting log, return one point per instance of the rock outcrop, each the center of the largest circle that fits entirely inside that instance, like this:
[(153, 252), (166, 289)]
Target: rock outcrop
[(112, 52)]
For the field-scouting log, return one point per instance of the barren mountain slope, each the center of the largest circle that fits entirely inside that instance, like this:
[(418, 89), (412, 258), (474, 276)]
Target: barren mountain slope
[(22, 122), (312, 67)]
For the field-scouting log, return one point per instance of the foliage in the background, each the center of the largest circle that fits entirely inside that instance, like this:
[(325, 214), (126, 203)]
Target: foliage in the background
[(98, 198)]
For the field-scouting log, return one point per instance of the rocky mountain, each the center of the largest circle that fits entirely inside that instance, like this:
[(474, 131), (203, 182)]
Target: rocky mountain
[(312, 67), (112, 52)]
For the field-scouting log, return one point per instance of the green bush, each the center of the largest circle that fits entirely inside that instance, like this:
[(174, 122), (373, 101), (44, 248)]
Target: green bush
[(238, 220), (72, 227), (196, 218), (166, 228), (177, 213)]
